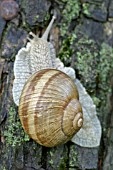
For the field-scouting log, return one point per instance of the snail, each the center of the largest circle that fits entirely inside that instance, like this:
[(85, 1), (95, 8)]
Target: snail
[(49, 108), (47, 96)]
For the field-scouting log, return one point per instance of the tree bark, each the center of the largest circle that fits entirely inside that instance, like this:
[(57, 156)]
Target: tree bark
[(86, 21)]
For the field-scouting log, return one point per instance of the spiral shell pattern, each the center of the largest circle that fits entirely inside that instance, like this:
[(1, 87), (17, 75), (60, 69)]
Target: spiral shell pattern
[(49, 108)]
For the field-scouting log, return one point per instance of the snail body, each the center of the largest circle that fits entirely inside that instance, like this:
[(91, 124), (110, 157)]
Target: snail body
[(42, 53), (49, 109)]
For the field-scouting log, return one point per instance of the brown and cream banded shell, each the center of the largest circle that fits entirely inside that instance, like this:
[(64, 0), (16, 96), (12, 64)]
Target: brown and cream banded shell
[(49, 108)]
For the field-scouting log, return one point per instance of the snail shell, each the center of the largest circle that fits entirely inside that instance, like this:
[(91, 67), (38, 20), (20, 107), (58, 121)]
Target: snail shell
[(49, 109)]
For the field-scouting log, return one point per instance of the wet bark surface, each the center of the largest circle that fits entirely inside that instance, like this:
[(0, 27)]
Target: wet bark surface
[(94, 20)]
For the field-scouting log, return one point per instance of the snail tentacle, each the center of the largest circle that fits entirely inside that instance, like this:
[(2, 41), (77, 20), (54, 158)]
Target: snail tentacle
[(45, 35)]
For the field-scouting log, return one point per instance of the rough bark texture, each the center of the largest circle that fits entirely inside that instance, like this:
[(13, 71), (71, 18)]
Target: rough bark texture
[(83, 38)]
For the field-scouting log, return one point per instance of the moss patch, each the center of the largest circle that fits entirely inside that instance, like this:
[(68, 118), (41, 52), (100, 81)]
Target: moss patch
[(13, 133), (71, 11), (93, 65)]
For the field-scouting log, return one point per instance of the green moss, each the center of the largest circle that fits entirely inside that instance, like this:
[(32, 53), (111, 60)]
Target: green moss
[(104, 71), (86, 61), (47, 17), (51, 154), (63, 163), (105, 66), (71, 11), (58, 158), (35, 18), (73, 157), (86, 8), (4, 168), (65, 51), (13, 133), (93, 65)]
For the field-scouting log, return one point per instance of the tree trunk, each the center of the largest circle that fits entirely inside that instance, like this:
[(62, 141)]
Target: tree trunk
[(83, 38)]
